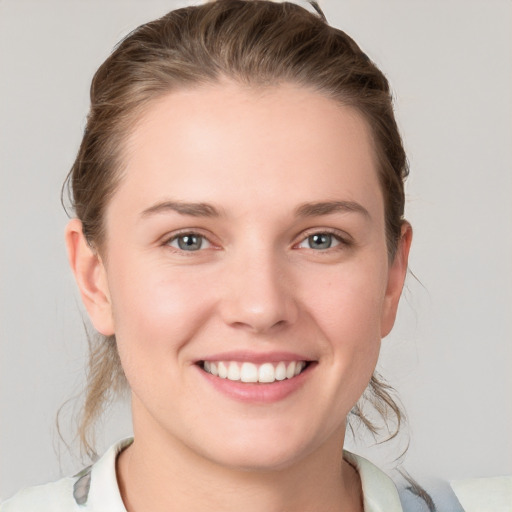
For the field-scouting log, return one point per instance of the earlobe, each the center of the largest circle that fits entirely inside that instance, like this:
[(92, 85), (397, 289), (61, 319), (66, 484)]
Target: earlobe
[(90, 275), (396, 278)]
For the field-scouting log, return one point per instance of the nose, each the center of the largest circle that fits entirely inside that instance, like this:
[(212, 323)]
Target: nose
[(258, 294)]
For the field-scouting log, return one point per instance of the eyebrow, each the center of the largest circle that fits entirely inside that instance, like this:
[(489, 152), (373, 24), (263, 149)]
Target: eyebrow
[(192, 209), (328, 207), (304, 210)]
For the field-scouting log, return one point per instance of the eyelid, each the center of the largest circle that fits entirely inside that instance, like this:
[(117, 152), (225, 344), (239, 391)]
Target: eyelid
[(170, 237), (342, 237)]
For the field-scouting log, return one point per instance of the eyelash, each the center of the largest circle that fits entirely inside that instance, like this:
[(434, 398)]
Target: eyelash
[(182, 234), (342, 241)]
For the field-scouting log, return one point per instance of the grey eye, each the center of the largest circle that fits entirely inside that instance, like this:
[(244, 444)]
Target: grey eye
[(320, 241), (188, 242)]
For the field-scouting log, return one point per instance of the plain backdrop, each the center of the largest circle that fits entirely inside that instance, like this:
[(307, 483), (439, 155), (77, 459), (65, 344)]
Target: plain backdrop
[(450, 355)]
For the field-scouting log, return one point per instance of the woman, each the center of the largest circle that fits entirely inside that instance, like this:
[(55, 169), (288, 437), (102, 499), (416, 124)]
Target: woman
[(239, 242)]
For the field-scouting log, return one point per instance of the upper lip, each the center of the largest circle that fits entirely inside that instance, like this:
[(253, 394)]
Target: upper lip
[(255, 357)]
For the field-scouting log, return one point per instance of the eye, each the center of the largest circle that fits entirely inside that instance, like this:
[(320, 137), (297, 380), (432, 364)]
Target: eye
[(320, 241), (189, 242)]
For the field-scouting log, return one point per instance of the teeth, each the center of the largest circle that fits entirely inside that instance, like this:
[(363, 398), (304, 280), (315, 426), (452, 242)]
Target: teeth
[(290, 370), (267, 373), (233, 371), (250, 372), (280, 371), (223, 370)]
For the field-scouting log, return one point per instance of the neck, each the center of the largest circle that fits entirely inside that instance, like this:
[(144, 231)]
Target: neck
[(160, 474)]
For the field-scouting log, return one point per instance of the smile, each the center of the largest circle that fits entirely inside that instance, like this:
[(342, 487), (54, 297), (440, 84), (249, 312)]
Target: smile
[(250, 372)]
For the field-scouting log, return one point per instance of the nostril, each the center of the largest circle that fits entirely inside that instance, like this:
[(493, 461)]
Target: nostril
[(259, 327)]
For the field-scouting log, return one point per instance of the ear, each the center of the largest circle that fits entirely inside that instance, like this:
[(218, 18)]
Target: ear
[(396, 278), (91, 277)]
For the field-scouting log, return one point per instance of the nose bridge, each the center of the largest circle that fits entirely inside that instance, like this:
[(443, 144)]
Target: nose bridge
[(258, 293)]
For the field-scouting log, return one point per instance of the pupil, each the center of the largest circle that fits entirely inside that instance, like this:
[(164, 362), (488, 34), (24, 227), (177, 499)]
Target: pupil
[(320, 241), (189, 242)]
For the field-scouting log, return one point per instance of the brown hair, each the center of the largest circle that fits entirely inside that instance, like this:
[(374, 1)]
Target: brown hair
[(256, 43)]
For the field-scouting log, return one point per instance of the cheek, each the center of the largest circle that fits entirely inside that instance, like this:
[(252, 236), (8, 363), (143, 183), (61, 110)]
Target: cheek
[(347, 309), (349, 303), (156, 312)]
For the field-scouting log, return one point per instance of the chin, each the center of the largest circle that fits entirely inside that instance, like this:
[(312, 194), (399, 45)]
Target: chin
[(256, 459), (262, 450)]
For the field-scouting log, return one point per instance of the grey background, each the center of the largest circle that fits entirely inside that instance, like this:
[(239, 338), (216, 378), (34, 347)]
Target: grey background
[(450, 355)]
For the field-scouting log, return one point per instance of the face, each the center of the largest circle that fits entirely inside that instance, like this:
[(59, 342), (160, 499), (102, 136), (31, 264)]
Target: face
[(245, 272)]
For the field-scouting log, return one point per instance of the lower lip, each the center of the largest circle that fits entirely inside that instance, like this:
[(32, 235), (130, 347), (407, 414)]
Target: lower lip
[(258, 392)]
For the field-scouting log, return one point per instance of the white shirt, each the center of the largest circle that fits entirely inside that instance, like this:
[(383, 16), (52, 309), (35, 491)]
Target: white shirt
[(95, 489)]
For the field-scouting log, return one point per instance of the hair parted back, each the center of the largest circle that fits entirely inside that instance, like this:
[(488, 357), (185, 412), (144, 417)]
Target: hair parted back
[(253, 43)]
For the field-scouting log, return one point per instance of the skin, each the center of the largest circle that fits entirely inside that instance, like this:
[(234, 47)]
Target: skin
[(256, 285)]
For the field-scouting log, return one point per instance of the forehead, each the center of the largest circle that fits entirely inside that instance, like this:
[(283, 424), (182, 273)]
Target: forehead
[(280, 142)]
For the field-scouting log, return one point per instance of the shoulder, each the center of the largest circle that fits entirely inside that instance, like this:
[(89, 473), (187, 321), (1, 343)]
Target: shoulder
[(92, 490), (379, 492), (52, 497)]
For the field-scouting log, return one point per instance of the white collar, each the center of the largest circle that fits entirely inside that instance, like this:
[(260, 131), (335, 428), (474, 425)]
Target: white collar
[(97, 486), (379, 491)]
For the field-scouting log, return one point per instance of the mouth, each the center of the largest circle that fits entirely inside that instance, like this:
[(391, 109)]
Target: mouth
[(248, 372)]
